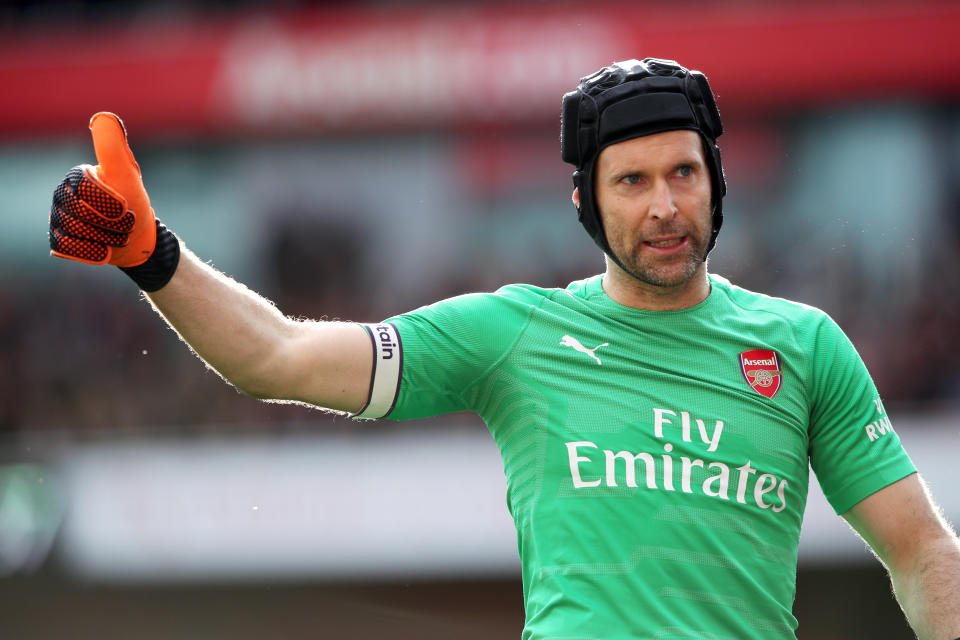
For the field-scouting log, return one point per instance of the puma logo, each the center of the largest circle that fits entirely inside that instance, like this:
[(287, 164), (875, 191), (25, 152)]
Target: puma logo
[(570, 341)]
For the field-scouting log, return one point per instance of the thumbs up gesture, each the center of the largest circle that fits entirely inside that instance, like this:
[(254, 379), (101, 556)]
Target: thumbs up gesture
[(102, 214)]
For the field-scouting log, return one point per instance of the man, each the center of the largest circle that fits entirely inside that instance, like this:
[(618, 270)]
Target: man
[(657, 424)]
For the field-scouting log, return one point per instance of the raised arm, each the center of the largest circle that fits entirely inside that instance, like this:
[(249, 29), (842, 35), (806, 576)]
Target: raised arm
[(102, 215), (919, 549), (249, 342)]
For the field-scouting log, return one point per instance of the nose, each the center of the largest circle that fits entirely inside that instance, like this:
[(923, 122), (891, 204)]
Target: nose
[(662, 205)]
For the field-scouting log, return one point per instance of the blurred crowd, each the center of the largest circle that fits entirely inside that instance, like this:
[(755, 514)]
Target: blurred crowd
[(86, 358)]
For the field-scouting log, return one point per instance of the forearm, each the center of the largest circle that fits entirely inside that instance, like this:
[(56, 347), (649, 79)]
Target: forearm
[(929, 590), (234, 330), (251, 344)]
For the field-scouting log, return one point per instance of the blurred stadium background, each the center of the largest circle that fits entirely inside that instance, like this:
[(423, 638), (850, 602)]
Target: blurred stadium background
[(355, 160)]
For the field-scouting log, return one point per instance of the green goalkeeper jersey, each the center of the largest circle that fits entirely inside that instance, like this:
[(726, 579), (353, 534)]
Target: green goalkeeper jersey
[(656, 462)]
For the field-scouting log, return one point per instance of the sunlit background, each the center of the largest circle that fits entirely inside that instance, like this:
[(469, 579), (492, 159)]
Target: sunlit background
[(356, 160)]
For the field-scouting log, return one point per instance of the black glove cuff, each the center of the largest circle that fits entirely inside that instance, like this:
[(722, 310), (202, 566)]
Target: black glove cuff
[(156, 272)]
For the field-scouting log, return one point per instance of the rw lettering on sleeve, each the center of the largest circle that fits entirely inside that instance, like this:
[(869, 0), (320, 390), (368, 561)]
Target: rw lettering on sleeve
[(881, 426), (878, 428)]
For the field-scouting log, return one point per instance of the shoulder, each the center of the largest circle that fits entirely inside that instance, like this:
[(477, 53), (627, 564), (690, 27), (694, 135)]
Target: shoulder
[(794, 313), (527, 294), (508, 304), (810, 330)]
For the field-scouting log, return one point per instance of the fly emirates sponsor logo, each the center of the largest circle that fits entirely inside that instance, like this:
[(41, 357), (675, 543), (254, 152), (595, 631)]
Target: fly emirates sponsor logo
[(593, 466)]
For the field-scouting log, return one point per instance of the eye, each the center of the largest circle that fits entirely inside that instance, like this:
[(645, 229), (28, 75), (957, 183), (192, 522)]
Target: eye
[(631, 179), (684, 171)]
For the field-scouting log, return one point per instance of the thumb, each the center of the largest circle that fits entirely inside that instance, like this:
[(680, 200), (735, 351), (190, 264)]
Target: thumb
[(117, 167)]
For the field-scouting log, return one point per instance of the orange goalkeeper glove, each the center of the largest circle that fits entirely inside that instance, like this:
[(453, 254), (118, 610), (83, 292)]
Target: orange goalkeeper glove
[(102, 214)]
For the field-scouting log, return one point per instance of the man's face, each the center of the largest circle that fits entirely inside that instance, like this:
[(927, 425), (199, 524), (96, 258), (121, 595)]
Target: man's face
[(653, 194)]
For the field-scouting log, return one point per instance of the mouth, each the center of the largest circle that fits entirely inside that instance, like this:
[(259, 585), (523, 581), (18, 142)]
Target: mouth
[(667, 245)]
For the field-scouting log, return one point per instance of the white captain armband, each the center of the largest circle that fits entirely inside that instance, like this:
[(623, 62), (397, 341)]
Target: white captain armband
[(387, 366)]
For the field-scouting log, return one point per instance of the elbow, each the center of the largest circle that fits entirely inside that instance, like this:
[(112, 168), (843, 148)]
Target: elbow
[(259, 386), (258, 381), (253, 392)]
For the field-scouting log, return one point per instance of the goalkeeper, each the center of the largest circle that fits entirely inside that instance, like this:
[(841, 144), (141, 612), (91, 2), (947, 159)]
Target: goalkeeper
[(657, 423)]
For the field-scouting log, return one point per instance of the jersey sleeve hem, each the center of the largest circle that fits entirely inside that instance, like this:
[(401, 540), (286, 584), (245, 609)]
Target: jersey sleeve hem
[(385, 376), (866, 485)]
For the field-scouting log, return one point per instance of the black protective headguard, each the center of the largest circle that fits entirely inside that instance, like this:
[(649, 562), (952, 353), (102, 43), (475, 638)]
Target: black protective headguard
[(631, 99)]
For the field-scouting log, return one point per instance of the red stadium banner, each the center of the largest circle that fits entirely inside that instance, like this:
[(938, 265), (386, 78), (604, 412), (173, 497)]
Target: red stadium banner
[(400, 68)]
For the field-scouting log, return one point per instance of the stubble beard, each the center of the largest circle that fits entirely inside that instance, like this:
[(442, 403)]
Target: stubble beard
[(668, 274)]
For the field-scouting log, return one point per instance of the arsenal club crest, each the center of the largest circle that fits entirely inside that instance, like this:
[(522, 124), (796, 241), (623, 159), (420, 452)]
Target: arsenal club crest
[(761, 370)]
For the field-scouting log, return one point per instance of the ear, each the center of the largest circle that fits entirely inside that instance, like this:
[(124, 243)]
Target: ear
[(576, 197)]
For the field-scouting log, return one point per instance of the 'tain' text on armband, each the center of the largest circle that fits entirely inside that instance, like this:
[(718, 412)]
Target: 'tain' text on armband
[(387, 369)]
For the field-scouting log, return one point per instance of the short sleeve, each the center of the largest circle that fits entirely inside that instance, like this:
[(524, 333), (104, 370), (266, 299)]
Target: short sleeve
[(854, 450), (444, 349)]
